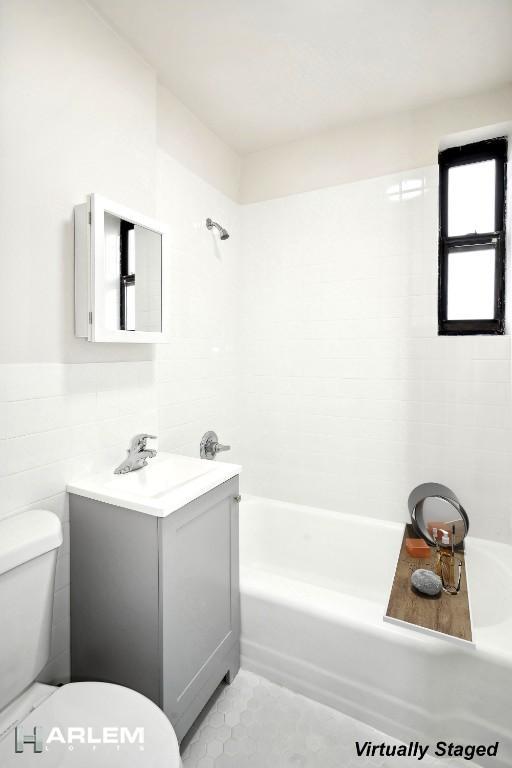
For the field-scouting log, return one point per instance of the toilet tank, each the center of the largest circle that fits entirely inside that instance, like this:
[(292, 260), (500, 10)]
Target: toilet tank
[(28, 554)]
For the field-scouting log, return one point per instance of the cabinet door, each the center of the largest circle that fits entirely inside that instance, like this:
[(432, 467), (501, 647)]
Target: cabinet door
[(199, 594)]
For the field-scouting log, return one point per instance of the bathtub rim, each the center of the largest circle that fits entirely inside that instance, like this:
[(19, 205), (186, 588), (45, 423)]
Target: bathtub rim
[(483, 641)]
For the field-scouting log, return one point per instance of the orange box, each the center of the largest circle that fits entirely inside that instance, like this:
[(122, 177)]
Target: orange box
[(417, 548)]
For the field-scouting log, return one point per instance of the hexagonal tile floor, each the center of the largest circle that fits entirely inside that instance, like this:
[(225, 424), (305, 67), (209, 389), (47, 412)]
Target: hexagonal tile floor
[(254, 723)]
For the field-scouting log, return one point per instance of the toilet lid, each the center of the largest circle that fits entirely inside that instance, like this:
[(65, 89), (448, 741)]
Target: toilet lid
[(95, 725)]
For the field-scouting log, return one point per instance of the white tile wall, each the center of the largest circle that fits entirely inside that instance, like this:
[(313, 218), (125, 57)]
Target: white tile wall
[(67, 406), (61, 420), (350, 397), (57, 422), (317, 358), (61, 410), (198, 371)]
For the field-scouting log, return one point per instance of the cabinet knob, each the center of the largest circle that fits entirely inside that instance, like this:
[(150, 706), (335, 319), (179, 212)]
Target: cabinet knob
[(238, 499)]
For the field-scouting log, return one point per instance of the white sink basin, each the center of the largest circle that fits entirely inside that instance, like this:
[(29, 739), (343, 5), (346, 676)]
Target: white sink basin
[(167, 483), (162, 474)]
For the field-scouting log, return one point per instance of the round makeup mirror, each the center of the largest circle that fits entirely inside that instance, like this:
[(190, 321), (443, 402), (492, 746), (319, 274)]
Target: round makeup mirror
[(437, 515)]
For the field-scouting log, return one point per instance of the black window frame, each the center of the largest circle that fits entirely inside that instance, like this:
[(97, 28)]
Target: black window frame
[(125, 278), (491, 149)]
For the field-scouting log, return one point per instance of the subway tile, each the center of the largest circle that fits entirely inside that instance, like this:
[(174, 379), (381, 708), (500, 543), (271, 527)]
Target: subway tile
[(321, 358), (26, 381), (345, 357), (59, 421)]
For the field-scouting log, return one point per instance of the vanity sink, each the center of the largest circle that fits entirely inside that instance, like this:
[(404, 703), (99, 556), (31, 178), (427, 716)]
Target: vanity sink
[(160, 476), (166, 484), (155, 596)]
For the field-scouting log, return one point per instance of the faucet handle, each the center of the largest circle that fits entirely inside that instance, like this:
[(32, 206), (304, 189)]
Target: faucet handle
[(137, 454), (210, 445), (139, 441)]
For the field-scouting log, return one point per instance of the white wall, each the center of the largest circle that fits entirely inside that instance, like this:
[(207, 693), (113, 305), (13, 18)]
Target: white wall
[(368, 148), (58, 421), (182, 135), (198, 372), (350, 397), (79, 114)]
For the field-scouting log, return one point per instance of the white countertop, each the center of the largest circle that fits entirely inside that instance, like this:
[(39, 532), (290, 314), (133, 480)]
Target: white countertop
[(166, 484)]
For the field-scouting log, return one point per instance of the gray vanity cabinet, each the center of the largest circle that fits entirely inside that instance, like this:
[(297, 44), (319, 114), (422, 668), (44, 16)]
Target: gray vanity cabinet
[(155, 601)]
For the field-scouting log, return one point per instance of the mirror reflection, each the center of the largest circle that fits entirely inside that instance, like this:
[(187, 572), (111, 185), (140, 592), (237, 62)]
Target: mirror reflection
[(440, 521), (133, 276), (437, 515)]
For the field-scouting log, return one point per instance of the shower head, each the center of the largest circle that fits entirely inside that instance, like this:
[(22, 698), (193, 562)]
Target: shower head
[(224, 234)]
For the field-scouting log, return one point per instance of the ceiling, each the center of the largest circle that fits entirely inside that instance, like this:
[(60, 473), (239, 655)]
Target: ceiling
[(263, 72)]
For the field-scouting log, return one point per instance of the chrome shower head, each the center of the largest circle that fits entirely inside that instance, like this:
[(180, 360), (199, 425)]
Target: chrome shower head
[(224, 234)]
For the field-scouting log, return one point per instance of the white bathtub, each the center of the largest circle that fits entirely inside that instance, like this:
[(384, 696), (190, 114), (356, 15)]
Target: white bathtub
[(315, 586)]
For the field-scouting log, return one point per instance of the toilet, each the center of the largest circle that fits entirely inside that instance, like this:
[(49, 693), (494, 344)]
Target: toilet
[(80, 725)]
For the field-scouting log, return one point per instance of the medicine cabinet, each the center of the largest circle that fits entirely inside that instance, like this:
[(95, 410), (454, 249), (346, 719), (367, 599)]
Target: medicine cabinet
[(119, 274)]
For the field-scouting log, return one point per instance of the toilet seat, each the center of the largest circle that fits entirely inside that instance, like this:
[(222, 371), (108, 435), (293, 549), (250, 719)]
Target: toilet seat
[(95, 706)]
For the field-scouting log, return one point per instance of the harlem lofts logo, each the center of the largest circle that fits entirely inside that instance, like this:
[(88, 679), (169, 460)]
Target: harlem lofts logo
[(78, 737)]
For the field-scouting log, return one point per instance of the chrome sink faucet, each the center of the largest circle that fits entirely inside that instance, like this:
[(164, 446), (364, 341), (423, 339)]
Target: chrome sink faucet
[(137, 454)]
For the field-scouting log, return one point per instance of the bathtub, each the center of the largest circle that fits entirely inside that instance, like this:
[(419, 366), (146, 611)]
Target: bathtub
[(314, 590)]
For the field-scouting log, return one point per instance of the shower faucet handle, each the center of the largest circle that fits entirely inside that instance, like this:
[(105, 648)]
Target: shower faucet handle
[(210, 446)]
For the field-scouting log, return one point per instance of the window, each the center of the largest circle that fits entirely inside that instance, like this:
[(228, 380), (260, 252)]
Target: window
[(472, 185), (127, 276)]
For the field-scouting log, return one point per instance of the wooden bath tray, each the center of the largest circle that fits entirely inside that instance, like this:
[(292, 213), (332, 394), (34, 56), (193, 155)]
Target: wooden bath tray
[(445, 615)]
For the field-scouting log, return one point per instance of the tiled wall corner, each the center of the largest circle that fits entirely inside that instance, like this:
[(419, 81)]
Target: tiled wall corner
[(347, 389), (198, 370)]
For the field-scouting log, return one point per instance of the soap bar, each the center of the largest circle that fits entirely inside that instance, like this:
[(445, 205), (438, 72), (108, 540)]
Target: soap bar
[(417, 548)]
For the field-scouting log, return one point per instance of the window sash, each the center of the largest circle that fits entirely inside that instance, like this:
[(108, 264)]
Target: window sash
[(495, 325), (495, 149)]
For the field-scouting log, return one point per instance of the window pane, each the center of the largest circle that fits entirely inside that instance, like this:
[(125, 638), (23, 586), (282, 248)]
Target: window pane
[(131, 251), (471, 190), (130, 307), (471, 284)]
